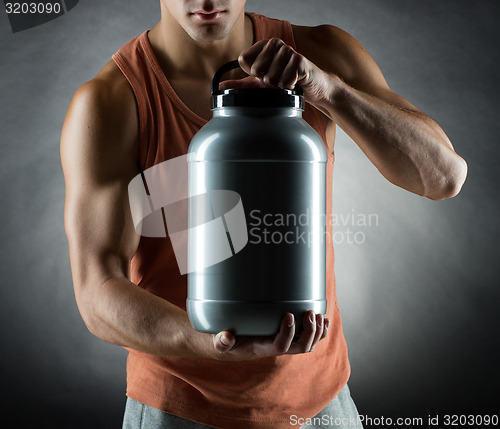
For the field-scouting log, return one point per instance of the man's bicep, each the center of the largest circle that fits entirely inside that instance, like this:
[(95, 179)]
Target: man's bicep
[(101, 236), (98, 150), (345, 56)]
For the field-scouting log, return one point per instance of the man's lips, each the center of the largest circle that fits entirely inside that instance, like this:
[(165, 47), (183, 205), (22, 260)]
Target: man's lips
[(207, 16)]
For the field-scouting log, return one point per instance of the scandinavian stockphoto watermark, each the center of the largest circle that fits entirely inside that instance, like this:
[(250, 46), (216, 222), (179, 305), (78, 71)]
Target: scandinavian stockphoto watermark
[(288, 228), (28, 14), (300, 228)]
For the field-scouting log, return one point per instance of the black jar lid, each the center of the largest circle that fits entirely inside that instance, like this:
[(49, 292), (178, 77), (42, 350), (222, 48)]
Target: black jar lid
[(258, 97), (253, 97)]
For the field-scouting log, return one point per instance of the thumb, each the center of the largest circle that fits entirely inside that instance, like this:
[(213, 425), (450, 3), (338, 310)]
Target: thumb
[(224, 341)]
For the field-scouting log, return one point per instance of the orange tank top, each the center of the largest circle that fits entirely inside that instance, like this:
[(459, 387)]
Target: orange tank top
[(258, 393)]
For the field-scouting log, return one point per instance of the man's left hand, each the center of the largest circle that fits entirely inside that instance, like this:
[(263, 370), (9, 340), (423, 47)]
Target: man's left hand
[(273, 64)]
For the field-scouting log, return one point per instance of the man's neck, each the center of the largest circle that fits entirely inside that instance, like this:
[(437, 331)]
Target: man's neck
[(182, 57)]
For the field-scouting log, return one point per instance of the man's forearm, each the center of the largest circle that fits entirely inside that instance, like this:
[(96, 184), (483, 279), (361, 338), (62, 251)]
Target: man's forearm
[(122, 313), (407, 147)]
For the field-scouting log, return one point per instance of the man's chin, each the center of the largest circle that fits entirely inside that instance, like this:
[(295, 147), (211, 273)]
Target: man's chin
[(208, 32), (208, 35), (206, 39)]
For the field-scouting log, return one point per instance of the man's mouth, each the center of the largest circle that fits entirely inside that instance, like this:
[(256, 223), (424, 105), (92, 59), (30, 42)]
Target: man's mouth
[(203, 15)]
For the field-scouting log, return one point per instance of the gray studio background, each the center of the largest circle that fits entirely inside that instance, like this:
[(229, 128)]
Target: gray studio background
[(419, 296)]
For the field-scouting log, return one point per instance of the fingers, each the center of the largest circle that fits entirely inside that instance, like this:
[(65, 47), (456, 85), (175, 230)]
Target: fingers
[(247, 57), (276, 63), (290, 75), (255, 347), (319, 330), (315, 328), (326, 325), (282, 61), (306, 338), (224, 341), (265, 58), (283, 340)]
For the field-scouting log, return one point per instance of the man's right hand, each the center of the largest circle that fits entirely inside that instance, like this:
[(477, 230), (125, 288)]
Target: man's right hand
[(227, 347)]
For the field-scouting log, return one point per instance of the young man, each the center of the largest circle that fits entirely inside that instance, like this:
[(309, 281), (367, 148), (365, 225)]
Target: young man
[(143, 108)]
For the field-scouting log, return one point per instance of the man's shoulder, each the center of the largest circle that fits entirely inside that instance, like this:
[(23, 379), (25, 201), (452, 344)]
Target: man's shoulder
[(107, 97), (103, 114), (329, 47), (109, 87), (323, 33)]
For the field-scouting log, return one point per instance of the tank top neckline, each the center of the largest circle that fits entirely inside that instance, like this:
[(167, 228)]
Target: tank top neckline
[(155, 65)]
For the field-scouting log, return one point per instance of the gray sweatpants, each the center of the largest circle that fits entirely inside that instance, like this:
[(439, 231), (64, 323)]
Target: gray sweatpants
[(341, 412)]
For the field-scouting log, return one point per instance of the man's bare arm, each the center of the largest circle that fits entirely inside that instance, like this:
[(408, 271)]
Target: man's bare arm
[(341, 79), (408, 147), (99, 158)]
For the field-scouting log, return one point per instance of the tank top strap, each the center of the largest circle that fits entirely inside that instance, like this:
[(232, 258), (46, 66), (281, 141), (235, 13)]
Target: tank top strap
[(166, 125), (132, 62), (266, 28)]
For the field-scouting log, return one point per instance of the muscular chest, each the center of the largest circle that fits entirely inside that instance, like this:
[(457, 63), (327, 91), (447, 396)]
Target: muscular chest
[(195, 95)]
